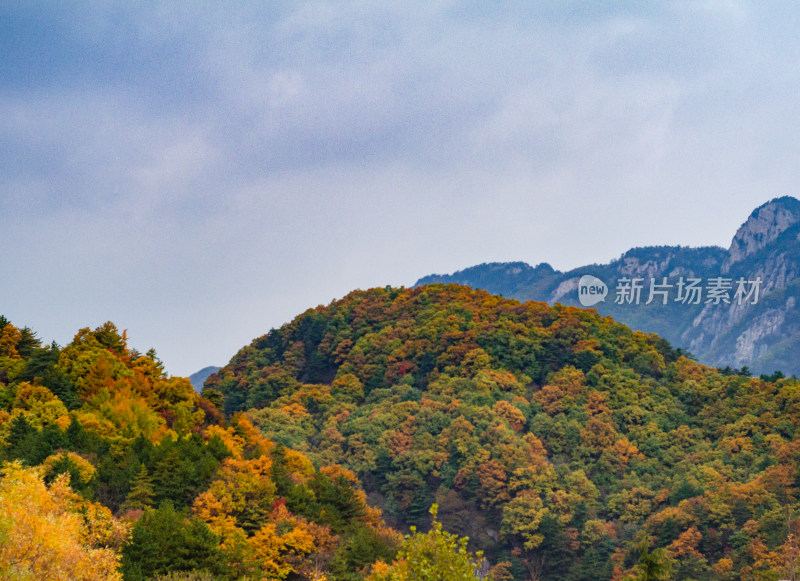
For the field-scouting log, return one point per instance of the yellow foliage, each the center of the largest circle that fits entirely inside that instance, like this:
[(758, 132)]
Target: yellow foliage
[(380, 570), (490, 380), (295, 410), (522, 516), (96, 425), (232, 442), (680, 516), (175, 390), (593, 531), (623, 452), (214, 510), (252, 437), (147, 367), (43, 536), (85, 468), (335, 471), (348, 386), (100, 528), (30, 396), (686, 544), (299, 466), (723, 567), (13, 367), (514, 417), (40, 406), (90, 366), (240, 497), (281, 545), (128, 412)]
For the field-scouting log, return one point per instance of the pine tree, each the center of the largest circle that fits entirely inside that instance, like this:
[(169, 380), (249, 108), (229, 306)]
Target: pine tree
[(20, 430), (165, 540), (141, 495)]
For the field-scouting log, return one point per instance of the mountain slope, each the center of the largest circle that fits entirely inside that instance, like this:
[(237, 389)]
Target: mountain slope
[(553, 437), (763, 336), (110, 469)]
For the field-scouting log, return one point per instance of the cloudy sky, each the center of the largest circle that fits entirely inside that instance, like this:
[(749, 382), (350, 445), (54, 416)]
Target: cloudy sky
[(200, 173)]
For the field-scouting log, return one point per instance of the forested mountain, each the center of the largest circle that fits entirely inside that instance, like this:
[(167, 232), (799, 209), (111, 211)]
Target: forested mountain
[(110, 469), (764, 336), (564, 444)]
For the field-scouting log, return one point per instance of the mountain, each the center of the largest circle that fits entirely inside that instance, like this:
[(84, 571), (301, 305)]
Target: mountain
[(199, 378), (112, 470), (565, 445), (762, 335)]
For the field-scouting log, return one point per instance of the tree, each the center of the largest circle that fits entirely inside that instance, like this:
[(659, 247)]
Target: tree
[(80, 471), (282, 545), (433, 556), (522, 516), (10, 337), (164, 540), (44, 531), (141, 495), (653, 565), (240, 498)]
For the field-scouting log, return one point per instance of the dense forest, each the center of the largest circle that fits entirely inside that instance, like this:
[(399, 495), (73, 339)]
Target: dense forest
[(435, 433), (113, 470), (563, 444)]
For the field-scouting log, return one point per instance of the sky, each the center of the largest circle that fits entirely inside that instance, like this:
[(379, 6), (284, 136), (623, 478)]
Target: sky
[(201, 172)]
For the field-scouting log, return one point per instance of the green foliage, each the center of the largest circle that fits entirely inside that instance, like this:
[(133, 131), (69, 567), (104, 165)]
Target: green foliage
[(165, 540), (141, 495), (553, 438), (561, 432), (186, 576), (653, 565), (133, 439), (433, 556), (362, 548), (41, 367)]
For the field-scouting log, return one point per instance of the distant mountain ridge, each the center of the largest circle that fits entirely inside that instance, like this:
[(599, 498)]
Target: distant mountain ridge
[(199, 377), (764, 336)]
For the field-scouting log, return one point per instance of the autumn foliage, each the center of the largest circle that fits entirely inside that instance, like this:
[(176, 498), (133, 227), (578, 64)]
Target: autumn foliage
[(115, 470), (558, 441), (556, 444)]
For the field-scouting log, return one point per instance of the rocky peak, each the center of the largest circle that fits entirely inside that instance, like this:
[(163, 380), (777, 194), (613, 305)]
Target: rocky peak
[(764, 225)]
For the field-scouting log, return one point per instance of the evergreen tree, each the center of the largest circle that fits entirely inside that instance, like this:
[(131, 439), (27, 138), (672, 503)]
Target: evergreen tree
[(164, 540), (141, 495), (21, 429), (28, 342)]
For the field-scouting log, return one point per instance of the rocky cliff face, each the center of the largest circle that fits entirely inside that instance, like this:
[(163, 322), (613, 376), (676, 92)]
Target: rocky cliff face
[(762, 228), (764, 336)]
